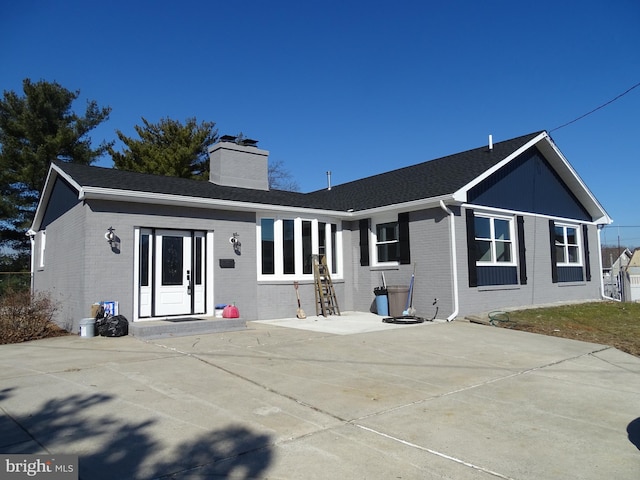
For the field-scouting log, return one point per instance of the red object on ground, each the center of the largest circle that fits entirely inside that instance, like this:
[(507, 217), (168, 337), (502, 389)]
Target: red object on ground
[(230, 311)]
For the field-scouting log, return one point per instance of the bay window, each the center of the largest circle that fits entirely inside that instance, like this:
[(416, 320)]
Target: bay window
[(287, 245)]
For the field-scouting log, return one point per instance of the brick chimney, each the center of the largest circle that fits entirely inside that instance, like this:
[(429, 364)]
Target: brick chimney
[(238, 164)]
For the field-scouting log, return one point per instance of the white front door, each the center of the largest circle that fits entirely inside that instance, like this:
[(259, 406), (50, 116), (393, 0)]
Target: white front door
[(173, 273)]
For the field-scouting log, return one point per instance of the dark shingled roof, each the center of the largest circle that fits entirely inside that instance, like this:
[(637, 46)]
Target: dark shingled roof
[(425, 180)]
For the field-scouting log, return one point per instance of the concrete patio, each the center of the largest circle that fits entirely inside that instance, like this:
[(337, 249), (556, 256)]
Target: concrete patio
[(317, 399)]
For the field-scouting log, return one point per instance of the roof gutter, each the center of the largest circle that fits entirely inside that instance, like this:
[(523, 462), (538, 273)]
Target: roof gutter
[(454, 261), (412, 205)]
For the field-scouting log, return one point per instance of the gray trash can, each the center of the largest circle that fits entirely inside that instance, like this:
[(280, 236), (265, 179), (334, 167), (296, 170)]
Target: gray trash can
[(398, 295), (87, 327)]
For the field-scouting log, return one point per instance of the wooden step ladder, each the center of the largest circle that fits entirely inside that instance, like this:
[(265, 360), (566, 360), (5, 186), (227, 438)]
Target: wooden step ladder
[(325, 293)]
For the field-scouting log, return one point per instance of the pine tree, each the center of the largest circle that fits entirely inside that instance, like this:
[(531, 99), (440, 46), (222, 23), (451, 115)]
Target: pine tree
[(35, 129), (167, 148)]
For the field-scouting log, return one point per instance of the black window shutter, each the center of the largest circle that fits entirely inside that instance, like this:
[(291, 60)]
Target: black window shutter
[(522, 251), (403, 238), (471, 249), (587, 263), (364, 242), (554, 257)]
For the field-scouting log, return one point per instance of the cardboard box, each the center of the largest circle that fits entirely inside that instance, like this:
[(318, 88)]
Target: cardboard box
[(110, 308)]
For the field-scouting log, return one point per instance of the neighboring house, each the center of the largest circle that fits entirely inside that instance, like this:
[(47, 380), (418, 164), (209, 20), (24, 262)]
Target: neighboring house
[(612, 272), (505, 225), (631, 278)]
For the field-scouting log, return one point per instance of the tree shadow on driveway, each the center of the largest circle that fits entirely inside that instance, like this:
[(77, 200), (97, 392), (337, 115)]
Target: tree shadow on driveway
[(109, 447)]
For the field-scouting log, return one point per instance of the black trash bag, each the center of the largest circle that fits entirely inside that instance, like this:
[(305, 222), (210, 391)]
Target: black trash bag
[(101, 326), (117, 326)]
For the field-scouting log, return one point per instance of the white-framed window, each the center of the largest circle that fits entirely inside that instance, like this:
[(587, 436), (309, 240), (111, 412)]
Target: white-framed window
[(286, 246), (568, 245), (385, 239), (494, 240), (43, 244)]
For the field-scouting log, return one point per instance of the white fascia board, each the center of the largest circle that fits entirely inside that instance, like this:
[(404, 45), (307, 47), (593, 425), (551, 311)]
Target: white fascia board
[(53, 173), (100, 193), (461, 194), (70, 180), (564, 169)]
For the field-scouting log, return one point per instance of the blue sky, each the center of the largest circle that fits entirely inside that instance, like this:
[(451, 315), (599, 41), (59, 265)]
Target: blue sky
[(355, 87)]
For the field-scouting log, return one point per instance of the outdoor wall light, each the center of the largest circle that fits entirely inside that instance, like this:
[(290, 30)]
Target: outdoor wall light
[(112, 239), (110, 236), (236, 243)]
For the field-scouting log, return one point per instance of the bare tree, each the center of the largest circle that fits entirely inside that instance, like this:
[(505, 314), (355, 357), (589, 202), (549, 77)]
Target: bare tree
[(280, 178)]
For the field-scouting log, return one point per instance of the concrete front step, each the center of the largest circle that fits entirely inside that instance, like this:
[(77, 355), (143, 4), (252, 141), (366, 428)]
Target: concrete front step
[(184, 327)]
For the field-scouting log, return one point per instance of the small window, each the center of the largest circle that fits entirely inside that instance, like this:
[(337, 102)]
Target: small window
[(387, 242), (43, 244), (494, 240), (567, 245)]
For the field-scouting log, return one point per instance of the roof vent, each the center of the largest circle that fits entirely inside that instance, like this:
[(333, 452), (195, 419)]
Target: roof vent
[(490, 142), (329, 180)]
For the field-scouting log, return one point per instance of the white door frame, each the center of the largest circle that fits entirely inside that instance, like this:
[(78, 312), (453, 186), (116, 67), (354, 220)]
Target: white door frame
[(145, 302)]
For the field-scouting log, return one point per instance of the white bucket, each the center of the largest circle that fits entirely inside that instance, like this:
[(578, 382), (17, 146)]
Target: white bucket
[(87, 327)]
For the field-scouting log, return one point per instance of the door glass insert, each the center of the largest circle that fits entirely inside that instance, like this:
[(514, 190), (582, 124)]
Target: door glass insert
[(198, 260), (172, 260)]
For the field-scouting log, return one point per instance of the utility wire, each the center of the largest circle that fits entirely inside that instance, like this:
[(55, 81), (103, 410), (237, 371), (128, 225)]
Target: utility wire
[(595, 109)]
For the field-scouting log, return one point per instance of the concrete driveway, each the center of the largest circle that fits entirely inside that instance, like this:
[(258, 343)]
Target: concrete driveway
[(427, 401)]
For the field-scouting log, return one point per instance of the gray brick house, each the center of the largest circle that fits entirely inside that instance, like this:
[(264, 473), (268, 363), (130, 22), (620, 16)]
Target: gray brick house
[(504, 225)]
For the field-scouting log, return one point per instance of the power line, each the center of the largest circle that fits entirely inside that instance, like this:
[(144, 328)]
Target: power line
[(596, 109)]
